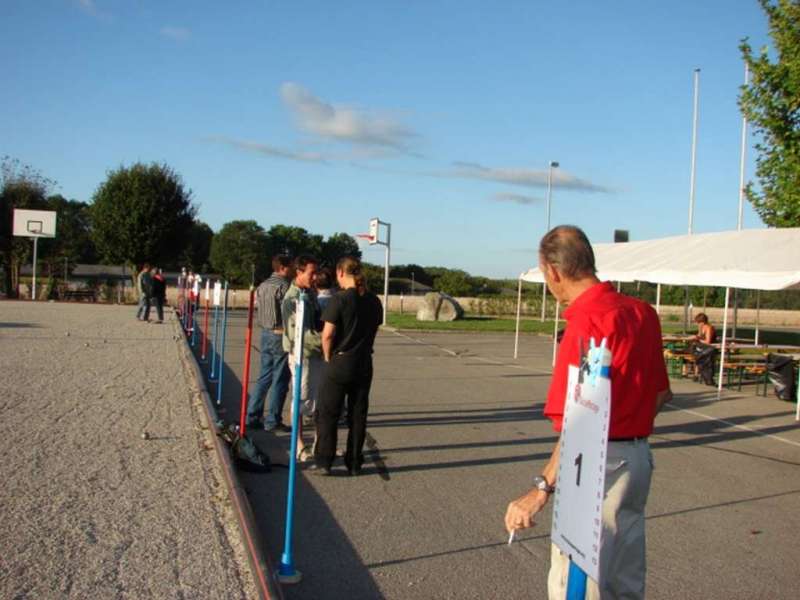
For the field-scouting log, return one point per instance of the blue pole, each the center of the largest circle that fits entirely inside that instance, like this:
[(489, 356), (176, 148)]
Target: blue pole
[(183, 305), (222, 344), (287, 573), (214, 360), (576, 583)]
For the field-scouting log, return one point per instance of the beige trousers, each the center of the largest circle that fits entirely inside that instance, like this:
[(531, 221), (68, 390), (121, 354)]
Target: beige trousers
[(629, 467), (309, 384)]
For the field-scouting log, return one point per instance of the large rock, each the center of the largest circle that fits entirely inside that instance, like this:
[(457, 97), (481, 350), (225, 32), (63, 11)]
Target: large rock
[(439, 307)]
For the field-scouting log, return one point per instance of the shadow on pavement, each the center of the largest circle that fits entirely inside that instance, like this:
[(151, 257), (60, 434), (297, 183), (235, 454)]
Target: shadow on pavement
[(322, 552)]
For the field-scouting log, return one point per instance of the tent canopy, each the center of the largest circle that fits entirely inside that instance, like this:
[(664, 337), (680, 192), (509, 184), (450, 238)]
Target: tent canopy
[(755, 259)]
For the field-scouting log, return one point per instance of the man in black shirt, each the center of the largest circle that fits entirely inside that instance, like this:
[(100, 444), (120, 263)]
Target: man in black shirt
[(351, 321)]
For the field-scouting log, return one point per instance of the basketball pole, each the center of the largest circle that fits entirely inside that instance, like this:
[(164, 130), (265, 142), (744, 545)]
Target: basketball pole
[(35, 244)]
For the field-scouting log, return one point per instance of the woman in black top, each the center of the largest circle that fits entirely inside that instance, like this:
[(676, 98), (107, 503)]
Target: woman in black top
[(158, 292), (351, 320)]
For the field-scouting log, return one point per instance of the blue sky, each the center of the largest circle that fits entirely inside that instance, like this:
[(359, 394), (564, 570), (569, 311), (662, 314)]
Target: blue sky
[(438, 117)]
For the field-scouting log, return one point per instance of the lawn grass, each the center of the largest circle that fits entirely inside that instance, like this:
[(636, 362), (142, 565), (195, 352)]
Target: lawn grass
[(470, 323)]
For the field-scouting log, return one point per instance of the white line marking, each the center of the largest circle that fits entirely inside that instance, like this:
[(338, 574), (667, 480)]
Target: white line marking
[(743, 427)]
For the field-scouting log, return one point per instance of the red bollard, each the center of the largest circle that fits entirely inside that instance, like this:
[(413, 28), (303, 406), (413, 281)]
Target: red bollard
[(246, 374)]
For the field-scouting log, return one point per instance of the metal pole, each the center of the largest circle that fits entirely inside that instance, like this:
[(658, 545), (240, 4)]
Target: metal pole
[(694, 149), (248, 340), (386, 271), (222, 347), (35, 243), (758, 315), (724, 340), (214, 352), (549, 201), (555, 333), (658, 299), (743, 155), (287, 573), (519, 304)]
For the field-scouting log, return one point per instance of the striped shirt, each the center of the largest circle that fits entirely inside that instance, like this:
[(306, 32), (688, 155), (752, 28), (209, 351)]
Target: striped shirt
[(269, 296)]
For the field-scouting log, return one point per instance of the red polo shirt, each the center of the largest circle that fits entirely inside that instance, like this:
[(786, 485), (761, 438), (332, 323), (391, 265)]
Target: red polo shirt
[(633, 333)]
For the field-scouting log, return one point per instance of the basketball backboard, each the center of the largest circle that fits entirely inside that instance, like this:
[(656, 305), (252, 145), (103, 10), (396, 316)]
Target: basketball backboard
[(373, 231), (34, 223)]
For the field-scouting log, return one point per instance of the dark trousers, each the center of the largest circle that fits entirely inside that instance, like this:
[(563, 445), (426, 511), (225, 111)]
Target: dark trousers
[(159, 304), (335, 387)]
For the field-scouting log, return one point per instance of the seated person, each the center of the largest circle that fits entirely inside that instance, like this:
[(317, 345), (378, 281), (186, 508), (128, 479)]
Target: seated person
[(706, 334)]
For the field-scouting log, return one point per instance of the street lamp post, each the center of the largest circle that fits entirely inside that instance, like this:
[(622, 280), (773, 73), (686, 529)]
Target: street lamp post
[(553, 165)]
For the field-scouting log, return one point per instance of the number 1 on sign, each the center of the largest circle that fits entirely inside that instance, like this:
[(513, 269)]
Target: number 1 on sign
[(578, 463)]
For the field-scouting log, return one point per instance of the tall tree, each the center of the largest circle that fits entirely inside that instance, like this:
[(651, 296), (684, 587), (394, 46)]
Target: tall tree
[(21, 186), (286, 239), (239, 249), (198, 249), (73, 240), (771, 102), (337, 246), (141, 214)]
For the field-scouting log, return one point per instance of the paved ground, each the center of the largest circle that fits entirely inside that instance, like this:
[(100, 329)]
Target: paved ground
[(457, 431), (89, 508)]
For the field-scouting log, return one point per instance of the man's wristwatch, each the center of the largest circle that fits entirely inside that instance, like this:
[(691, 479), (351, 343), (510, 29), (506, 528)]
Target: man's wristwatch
[(540, 483)]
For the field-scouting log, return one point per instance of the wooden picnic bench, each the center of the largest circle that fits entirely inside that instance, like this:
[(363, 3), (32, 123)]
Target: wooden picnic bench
[(80, 295)]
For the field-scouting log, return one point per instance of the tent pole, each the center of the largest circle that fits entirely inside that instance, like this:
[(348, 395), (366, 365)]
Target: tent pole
[(519, 304), (724, 341), (735, 311), (658, 299), (758, 315), (555, 333), (544, 299)]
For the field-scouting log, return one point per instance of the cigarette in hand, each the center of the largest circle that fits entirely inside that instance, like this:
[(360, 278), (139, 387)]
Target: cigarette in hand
[(511, 536)]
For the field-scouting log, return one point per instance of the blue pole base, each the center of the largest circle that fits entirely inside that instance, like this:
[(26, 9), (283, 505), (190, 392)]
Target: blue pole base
[(576, 583), (288, 574)]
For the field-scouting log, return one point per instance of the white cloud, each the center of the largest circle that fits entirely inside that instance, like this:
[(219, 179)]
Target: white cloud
[(179, 34), (344, 124), (90, 8), (514, 198), (521, 177), (269, 150)]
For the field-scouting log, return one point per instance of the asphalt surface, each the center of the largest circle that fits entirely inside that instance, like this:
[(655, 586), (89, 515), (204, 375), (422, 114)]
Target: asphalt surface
[(456, 431)]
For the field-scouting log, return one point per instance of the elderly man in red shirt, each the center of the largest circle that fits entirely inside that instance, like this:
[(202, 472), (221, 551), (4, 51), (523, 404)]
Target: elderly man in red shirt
[(639, 388)]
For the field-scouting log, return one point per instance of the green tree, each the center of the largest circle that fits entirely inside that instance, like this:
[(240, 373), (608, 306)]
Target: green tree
[(287, 239), (771, 102), (21, 186), (455, 283), (73, 240), (198, 249), (337, 246), (141, 214), (239, 249)]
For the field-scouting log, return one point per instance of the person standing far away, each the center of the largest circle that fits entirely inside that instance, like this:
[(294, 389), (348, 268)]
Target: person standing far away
[(350, 324), (639, 388), (305, 275), (274, 374), (158, 293), (143, 284)]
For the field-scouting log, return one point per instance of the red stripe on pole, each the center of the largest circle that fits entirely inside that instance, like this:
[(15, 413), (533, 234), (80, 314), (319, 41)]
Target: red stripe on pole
[(246, 375)]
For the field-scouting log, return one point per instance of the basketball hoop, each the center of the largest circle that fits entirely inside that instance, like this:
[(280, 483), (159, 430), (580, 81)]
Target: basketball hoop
[(366, 236)]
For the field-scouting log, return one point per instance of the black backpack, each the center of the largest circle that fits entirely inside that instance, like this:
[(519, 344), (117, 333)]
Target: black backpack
[(244, 452)]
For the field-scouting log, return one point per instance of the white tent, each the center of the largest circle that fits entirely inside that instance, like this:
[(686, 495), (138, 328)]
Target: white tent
[(756, 259)]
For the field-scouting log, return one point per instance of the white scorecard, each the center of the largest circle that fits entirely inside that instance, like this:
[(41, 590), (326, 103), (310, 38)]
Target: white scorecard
[(217, 293), (578, 506), (34, 223)]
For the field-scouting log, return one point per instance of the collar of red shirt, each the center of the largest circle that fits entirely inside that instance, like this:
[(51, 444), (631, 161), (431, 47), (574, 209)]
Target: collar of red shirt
[(588, 297)]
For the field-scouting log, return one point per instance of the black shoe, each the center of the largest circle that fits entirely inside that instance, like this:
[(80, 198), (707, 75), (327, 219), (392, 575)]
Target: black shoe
[(283, 427), (354, 471), (320, 471)]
